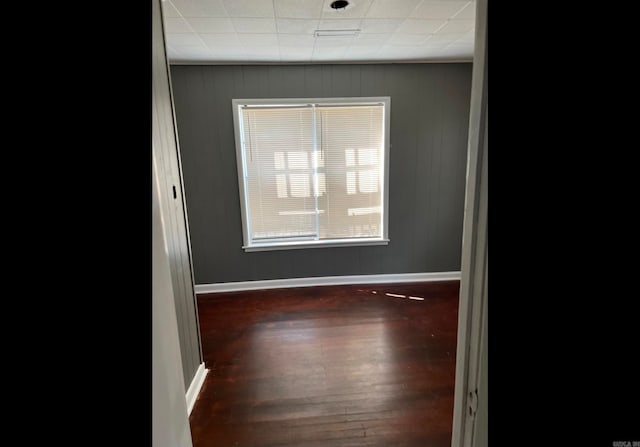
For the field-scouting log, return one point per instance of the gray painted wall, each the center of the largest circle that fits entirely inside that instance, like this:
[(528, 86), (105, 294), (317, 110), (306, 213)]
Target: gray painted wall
[(429, 125)]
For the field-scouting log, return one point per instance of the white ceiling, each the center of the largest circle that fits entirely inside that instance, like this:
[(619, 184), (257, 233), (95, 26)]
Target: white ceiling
[(282, 31)]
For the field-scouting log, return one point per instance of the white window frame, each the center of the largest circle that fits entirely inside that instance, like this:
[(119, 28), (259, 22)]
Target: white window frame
[(249, 245)]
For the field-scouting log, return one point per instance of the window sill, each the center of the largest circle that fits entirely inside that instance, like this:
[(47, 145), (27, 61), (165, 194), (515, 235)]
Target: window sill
[(315, 244)]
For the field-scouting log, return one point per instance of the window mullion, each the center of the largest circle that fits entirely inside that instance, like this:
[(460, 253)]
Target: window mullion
[(314, 167)]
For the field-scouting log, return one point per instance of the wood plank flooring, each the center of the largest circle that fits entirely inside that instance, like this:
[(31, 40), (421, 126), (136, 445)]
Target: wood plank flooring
[(328, 366)]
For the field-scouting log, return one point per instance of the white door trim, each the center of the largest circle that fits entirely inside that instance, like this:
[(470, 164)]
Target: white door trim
[(472, 310)]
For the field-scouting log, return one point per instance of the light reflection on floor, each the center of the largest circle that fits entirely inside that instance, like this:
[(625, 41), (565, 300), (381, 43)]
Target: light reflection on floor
[(396, 295)]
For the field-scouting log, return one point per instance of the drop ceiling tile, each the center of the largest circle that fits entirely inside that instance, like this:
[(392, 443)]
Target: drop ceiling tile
[(296, 39), (249, 8), (211, 25), (419, 26), (328, 53), (252, 25), (401, 52), (288, 52), (293, 58), (229, 53), (469, 12), (443, 38), (355, 10), (406, 39), (361, 52), (263, 54), (297, 26), (168, 10), (433, 46), (252, 40), (467, 37), (172, 54), (216, 41), (189, 52), (176, 25), (379, 25), (183, 39), (458, 51), (460, 46), (229, 49), (388, 9), (437, 9), (200, 8), (333, 43), (339, 24), (298, 9), (370, 39), (361, 57), (457, 26)]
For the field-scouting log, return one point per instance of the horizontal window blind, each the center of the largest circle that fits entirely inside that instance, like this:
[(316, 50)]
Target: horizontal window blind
[(351, 148), (278, 146), (313, 171)]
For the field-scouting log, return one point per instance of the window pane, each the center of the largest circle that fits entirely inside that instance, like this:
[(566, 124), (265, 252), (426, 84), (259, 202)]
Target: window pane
[(278, 144), (352, 142), (312, 172)]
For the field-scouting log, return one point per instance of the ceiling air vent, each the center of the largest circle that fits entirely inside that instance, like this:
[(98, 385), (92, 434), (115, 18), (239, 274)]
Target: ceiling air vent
[(336, 32)]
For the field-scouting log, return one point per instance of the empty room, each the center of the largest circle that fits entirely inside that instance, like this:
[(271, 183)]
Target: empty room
[(319, 223)]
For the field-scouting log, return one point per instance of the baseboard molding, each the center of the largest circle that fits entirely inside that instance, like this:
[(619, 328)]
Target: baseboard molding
[(196, 385), (326, 281)]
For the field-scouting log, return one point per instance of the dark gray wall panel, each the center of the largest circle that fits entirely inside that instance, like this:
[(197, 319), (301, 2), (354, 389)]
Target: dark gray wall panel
[(429, 126)]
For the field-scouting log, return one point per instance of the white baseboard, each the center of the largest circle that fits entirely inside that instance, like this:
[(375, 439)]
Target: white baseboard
[(196, 385), (326, 281)]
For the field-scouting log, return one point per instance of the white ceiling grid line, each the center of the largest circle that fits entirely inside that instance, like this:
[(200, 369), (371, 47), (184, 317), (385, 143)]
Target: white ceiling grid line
[(277, 31)]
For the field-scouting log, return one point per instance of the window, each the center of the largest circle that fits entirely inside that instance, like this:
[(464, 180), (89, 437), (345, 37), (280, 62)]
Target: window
[(312, 172)]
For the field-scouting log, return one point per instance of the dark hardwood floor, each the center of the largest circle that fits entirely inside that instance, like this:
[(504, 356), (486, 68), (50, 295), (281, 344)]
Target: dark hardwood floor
[(328, 366)]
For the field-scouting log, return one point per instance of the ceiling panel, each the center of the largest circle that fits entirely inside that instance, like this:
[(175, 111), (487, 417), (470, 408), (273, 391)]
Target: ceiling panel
[(183, 39), (168, 10), (245, 31), (296, 39), (370, 39), (467, 37), (457, 26), (176, 25), (328, 53), (263, 54), (297, 26), (443, 39), (211, 24), (249, 8), (437, 9), (469, 12), (219, 41), (339, 24), (259, 40), (376, 26), (255, 25), (294, 53), (299, 9), (420, 26), (407, 39), (368, 50), (199, 8), (391, 8)]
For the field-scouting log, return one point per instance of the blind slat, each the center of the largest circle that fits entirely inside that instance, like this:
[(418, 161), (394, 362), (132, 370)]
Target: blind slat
[(314, 172)]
